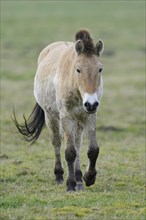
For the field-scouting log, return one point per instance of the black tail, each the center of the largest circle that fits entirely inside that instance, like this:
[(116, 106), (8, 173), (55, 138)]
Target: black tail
[(33, 125)]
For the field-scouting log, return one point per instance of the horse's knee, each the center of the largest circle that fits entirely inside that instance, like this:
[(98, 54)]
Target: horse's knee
[(93, 152), (70, 154), (56, 140)]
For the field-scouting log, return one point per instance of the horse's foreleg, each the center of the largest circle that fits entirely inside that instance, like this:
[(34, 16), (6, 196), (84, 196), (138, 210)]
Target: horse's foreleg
[(93, 151), (78, 172), (70, 151), (54, 126)]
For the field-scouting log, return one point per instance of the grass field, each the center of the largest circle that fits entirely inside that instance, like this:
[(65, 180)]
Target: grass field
[(28, 190)]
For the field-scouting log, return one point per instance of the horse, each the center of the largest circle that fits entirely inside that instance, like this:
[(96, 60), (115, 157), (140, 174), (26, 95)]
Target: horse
[(68, 88)]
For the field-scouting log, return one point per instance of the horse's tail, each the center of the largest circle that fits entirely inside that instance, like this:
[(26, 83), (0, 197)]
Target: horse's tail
[(32, 126)]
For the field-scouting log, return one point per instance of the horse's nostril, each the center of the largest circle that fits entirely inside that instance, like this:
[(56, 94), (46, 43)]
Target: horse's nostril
[(95, 105), (87, 105)]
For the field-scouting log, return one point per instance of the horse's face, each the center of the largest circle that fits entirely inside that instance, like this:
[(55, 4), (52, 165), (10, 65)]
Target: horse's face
[(88, 70)]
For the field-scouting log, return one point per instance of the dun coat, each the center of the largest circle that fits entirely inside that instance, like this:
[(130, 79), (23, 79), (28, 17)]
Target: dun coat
[(68, 88)]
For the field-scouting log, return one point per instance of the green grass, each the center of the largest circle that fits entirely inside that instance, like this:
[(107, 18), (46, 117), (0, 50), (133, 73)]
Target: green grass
[(28, 190)]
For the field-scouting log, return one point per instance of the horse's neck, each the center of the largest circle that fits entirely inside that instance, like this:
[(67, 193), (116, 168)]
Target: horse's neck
[(67, 82)]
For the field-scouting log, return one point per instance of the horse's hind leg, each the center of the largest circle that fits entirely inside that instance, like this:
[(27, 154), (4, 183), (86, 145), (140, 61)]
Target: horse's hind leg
[(52, 121), (78, 172)]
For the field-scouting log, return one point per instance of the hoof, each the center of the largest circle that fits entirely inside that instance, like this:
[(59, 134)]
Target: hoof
[(89, 178), (58, 176), (71, 185), (59, 181), (71, 190), (79, 186)]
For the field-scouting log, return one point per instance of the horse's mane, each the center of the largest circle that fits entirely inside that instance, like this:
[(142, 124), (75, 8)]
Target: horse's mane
[(87, 41)]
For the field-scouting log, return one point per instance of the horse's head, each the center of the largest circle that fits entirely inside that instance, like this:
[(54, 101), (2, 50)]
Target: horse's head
[(88, 68)]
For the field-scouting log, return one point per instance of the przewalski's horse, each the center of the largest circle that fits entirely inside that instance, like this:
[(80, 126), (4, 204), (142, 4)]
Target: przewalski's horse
[(67, 88)]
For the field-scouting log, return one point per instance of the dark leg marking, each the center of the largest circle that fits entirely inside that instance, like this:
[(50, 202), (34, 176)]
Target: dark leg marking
[(90, 174), (78, 175), (70, 155), (59, 171)]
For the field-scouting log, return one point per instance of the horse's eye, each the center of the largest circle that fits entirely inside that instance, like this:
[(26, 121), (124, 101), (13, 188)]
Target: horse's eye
[(78, 71), (100, 70)]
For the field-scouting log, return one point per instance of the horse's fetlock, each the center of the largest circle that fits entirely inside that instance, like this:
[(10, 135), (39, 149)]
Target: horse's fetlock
[(59, 171), (78, 175)]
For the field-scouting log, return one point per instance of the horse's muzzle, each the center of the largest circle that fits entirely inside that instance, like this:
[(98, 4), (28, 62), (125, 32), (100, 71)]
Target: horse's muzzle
[(91, 108)]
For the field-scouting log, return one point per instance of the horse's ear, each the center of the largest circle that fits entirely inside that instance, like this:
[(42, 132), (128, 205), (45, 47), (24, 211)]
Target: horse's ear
[(99, 47), (79, 47)]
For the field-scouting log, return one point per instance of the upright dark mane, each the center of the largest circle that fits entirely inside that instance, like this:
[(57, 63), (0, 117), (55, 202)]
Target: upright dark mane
[(85, 37)]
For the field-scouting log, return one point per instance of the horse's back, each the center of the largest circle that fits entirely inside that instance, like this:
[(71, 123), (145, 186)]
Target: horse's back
[(54, 49)]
